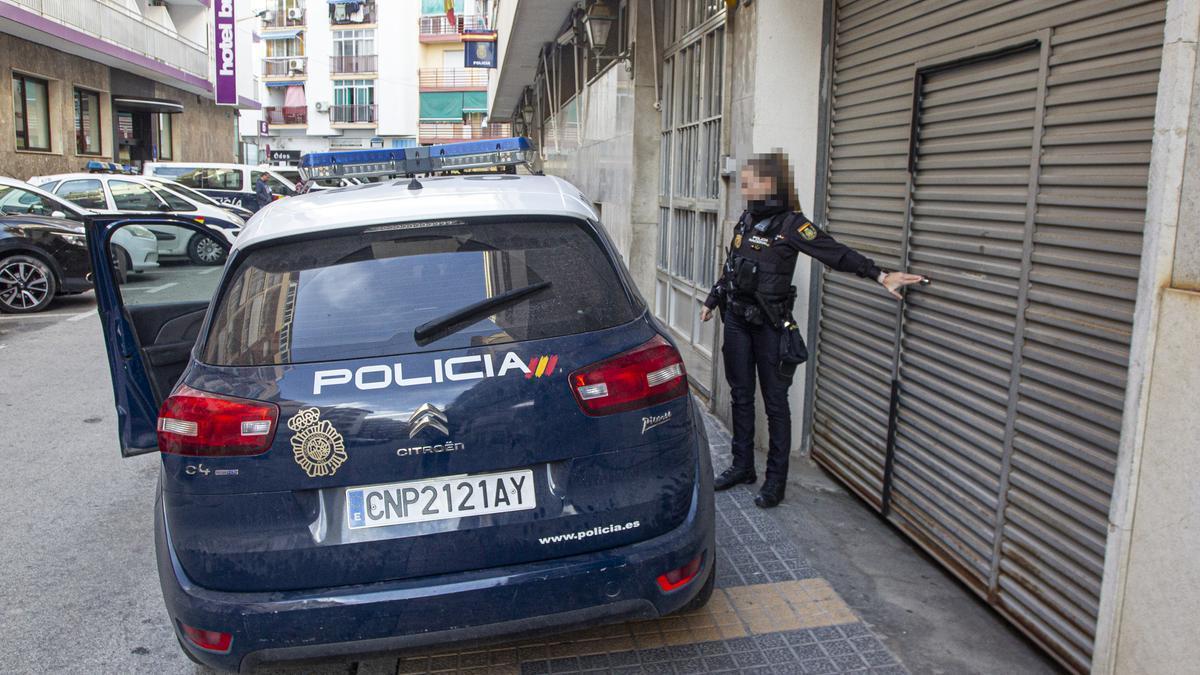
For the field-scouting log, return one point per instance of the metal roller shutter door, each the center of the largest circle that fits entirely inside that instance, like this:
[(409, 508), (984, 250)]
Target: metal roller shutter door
[(1025, 204)]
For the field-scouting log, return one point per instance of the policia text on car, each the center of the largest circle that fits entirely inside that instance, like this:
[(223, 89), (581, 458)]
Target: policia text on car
[(755, 296)]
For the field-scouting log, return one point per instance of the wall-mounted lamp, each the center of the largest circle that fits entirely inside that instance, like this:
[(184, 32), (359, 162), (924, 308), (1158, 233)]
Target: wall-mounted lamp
[(598, 21)]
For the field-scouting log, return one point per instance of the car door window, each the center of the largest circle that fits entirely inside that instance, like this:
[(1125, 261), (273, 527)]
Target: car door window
[(173, 200), (14, 200), (87, 193), (129, 196), (277, 186)]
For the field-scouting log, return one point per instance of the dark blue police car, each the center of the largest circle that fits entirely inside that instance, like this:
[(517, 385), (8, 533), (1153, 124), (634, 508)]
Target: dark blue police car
[(410, 416)]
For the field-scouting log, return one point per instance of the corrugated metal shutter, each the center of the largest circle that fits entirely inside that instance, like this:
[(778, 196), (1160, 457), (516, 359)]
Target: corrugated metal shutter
[(1030, 125)]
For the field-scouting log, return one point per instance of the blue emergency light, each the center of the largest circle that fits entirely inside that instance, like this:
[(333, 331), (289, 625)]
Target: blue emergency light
[(95, 166), (497, 153)]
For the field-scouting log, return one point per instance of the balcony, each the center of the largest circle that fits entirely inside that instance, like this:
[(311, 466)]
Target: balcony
[(340, 14), (453, 79), (282, 17), (285, 66), (280, 116), (353, 114), (452, 132), (339, 65), (437, 28)]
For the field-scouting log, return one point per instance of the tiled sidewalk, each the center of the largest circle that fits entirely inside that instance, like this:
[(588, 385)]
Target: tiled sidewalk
[(770, 613)]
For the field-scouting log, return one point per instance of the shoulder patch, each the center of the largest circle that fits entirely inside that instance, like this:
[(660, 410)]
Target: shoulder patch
[(808, 231), (737, 240)]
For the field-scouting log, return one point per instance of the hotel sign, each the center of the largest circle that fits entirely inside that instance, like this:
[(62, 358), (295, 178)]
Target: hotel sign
[(226, 53)]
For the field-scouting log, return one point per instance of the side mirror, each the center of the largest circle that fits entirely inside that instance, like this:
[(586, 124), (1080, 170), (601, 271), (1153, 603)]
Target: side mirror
[(57, 214), (165, 208)]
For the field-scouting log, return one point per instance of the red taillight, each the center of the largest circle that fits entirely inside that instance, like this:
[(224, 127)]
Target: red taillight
[(211, 640), (638, 378), (678, 578), (194, 422)]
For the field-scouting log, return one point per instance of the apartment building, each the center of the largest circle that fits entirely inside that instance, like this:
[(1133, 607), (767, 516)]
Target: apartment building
[(105, 80), (335, 75), (453, 98)]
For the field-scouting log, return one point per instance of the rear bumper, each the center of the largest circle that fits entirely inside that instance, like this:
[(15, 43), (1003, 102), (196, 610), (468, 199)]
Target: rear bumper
[(547, 596)]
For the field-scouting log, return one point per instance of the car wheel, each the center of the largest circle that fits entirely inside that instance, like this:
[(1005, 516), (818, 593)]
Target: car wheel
[(706, 591), (26, 284), (204, 250), (121, 264)]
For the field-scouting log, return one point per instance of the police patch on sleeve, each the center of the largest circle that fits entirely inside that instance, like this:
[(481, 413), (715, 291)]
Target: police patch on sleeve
[(317, 447), (737, 240), (808, 231)]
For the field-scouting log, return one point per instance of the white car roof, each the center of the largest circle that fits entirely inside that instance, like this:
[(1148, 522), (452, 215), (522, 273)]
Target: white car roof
[(83, 175), (440, 198)]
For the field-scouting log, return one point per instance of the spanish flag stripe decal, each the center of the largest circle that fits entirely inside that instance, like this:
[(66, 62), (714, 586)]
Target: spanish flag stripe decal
[(550, 366), (541, 366)]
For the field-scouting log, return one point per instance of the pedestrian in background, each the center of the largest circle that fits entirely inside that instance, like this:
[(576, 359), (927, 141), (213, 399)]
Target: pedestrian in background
[(755, 295), (262, 191)]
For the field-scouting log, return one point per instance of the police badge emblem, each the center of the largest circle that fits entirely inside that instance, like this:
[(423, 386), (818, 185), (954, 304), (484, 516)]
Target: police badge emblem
[(808, 231), (737, 240), (316, 445)]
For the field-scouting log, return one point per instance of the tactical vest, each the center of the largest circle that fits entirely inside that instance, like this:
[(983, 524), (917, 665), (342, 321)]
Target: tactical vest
[(760, 262)]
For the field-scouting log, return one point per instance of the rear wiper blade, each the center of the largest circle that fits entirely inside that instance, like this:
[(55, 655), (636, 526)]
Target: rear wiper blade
[(451, 323)]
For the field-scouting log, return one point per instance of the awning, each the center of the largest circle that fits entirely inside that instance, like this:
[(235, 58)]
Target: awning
[(290, 83), (294, 97), (283, 34), (533, 24), (147, 104), (429, 7), (442, 106), (474, 102)]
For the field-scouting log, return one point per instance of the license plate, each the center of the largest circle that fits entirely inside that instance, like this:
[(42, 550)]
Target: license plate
[(440, 498)]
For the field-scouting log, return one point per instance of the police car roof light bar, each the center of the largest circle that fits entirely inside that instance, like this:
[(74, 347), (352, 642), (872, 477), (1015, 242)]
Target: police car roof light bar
[(411, 161)]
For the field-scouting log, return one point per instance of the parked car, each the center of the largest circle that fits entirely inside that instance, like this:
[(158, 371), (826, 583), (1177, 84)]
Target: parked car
[(227, 183), (199, 197), (121, 193), (135, 248), (411, 417), (40, 257)]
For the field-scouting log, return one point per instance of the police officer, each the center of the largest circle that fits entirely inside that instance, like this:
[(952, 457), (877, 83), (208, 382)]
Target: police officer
[(755, 296)]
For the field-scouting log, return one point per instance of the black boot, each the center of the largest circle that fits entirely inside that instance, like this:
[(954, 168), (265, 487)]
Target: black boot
[(771, 493), (734, 476)]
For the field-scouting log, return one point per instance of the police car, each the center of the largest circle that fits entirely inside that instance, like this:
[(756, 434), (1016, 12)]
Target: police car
[(410, 413)]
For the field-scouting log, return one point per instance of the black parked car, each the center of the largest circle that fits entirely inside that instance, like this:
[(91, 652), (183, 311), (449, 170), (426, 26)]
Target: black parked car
[(40, 257)]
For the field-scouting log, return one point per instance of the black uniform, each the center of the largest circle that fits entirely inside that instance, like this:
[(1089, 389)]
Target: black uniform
[(756, 295)]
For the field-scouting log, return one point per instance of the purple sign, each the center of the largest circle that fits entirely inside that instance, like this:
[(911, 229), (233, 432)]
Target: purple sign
[(226, 53)]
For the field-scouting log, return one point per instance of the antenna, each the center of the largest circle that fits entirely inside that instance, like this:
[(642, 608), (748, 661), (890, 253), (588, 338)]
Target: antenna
[(415, 184)]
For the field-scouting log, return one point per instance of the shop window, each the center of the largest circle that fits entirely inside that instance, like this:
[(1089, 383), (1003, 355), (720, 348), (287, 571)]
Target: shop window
[(163, 137), (87, 122), (31, 112)]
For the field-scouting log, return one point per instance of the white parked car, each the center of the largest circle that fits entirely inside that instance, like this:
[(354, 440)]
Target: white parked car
[(231, 184), (136, 246), (122, 193)]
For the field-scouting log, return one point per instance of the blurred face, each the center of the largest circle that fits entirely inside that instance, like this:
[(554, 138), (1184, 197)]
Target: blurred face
[(755, 186)]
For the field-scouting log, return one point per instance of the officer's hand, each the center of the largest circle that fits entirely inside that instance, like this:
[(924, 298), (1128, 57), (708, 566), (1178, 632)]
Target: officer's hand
[(894, 281), (705, 314)]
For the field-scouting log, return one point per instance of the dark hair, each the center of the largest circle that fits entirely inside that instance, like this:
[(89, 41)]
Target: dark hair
[(776, 166)]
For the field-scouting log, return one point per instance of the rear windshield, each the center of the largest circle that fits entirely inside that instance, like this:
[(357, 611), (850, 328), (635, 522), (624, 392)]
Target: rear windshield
[(362, 295)]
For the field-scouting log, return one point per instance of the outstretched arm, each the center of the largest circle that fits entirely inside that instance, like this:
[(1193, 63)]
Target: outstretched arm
[(812, 241)]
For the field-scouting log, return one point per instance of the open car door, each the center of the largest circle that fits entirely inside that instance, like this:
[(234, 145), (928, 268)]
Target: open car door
[(150, 321)]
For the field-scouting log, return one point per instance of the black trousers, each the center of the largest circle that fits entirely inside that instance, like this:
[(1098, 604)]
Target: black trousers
[(751, 350)]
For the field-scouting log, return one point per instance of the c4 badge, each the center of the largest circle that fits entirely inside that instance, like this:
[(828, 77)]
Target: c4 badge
[(316, 445), (808, 231)]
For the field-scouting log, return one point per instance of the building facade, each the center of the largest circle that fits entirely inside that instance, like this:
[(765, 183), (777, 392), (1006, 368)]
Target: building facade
[(125, 82), (360, 74), (1032, 159)]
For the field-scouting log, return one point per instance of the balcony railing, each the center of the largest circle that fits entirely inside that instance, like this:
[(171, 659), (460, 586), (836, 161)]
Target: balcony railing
[(353, 114), (453, 79), (284, 66), (280, 18), (438, 27), (340, 14), (286, 115), (354, 64), (451, 132)]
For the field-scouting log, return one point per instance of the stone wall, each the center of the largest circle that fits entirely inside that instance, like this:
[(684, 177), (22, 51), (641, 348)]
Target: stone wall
[(204, 131)]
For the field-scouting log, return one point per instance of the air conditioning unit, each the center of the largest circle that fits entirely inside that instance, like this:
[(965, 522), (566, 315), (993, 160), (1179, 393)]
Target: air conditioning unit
[(296, 65), (321, 106), (296, 13)]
